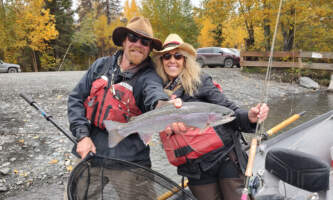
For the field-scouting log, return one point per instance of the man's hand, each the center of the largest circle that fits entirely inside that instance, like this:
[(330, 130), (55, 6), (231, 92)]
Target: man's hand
[(177, 102), (260, 112), (84, 146)]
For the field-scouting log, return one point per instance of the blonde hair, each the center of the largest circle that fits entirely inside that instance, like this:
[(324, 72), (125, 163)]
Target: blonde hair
[(190, 77)]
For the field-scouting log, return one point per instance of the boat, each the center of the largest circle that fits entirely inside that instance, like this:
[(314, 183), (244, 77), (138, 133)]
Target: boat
[(296, 164)]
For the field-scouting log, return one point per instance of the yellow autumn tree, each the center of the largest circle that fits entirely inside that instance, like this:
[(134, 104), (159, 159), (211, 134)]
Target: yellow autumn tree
[(205, 37), (131, 10), (34, 26), (234, 34), (103, 33)]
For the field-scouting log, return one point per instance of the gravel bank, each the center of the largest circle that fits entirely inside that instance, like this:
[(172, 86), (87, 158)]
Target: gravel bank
[(35, 157)]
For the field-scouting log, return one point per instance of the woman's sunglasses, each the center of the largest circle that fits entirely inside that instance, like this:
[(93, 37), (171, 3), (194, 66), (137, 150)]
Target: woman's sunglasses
[(168, 56), (134, 38)]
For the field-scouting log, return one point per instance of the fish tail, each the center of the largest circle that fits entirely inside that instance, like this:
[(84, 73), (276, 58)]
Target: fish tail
[(113, 130)]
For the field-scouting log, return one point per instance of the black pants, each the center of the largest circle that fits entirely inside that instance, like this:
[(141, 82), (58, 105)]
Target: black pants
[(224, 181)]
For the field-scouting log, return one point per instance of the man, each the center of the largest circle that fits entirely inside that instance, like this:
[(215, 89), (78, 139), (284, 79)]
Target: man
[(130, 63), (117, 88)]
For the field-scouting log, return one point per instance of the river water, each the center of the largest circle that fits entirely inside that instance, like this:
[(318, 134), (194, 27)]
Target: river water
[(313, 104)]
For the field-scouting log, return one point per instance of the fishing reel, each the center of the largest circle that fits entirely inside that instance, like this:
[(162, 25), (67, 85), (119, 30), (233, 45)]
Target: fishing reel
[(255, 182)]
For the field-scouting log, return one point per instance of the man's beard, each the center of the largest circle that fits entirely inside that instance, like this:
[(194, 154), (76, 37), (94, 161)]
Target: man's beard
[(135, 57)]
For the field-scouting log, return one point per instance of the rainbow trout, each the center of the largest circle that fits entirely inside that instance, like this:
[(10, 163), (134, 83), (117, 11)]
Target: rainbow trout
[(196, 114)]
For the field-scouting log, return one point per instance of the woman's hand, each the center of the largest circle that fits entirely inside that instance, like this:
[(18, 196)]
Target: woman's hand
[(259, 112)]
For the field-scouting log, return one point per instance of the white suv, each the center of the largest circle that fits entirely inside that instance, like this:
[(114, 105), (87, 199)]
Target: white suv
[(9, 67)]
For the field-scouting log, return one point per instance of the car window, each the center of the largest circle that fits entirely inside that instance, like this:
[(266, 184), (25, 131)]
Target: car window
[(1, 61), (217, 50), (210, 50), (227, 51), (201, 50)]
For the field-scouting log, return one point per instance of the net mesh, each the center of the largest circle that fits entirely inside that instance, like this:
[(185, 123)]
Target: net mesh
[(104, 178)]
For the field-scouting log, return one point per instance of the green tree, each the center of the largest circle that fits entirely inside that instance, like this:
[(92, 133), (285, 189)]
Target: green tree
[(168, 16), (61, 9), (84, 41)]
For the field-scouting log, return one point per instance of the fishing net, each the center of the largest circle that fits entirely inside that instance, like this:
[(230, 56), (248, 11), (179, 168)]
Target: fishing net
[(104, 178)]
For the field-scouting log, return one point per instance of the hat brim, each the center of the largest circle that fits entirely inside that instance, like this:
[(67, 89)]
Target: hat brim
[(186, 47), (120, 33)]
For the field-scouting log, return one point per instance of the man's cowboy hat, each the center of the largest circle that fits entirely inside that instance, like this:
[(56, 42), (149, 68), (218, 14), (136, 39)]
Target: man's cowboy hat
[(139, 26), (174, 41)]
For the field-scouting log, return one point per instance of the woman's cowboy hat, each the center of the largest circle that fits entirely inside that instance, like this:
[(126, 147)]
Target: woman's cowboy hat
[(137, 25), (174, 41)]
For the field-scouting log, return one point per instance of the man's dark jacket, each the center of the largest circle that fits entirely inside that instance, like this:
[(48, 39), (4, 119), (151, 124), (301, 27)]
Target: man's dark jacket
[(147, 90)]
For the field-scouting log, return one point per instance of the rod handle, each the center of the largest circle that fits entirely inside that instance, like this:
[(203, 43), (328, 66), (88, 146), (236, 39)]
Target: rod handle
[(284, 123), (252, 154), (27, 98), (168, 194)]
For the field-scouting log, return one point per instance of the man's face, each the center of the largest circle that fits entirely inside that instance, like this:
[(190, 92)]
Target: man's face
[(136, 49)]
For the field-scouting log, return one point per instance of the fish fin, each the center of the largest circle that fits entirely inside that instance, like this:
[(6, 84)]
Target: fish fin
[(132, 118), (114, 136), (203, 129), (114, 139), (146, 138)]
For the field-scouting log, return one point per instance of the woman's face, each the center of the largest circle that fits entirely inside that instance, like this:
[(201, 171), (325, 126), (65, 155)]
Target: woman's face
[(173, 63)]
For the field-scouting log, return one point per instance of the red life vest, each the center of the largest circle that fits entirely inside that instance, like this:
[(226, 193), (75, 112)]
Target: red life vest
[(115, 102), (190, 145), (218, 86)]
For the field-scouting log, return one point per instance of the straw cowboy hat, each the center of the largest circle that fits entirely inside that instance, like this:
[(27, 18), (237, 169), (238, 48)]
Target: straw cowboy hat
[(174, 41), (139, 26)]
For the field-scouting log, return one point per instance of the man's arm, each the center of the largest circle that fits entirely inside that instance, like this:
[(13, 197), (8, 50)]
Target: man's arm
[(79, 124), (148, 91)]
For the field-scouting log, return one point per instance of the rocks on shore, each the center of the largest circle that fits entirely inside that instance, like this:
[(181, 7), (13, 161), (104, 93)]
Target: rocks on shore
[(308, 83)]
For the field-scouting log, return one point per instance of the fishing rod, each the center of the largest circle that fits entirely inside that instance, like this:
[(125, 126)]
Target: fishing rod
[(256, 138), (282, 125), (172, 191), (278, 127), (46, 116)]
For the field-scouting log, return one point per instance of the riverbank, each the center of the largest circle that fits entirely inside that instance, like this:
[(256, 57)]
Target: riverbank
[(35, 158)]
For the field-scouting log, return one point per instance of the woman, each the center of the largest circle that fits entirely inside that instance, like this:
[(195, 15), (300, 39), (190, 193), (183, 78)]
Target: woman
[(216, 173)]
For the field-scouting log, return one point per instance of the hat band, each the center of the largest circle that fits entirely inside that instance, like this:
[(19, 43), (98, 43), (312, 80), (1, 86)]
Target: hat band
[(171, 44), (143, 33)]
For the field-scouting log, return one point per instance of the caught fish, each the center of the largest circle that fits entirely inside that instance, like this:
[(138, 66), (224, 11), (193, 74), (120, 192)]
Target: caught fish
[(196, 114)]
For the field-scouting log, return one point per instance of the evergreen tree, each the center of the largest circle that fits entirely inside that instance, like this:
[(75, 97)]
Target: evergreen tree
[(61, 9), (84, 7)]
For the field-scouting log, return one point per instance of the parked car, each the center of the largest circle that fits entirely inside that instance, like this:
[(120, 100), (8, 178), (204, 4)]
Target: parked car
[(9, 67), (217, 56)]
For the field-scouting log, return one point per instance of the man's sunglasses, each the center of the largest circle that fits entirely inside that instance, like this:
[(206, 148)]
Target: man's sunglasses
[(134, 38), (168, 56)]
